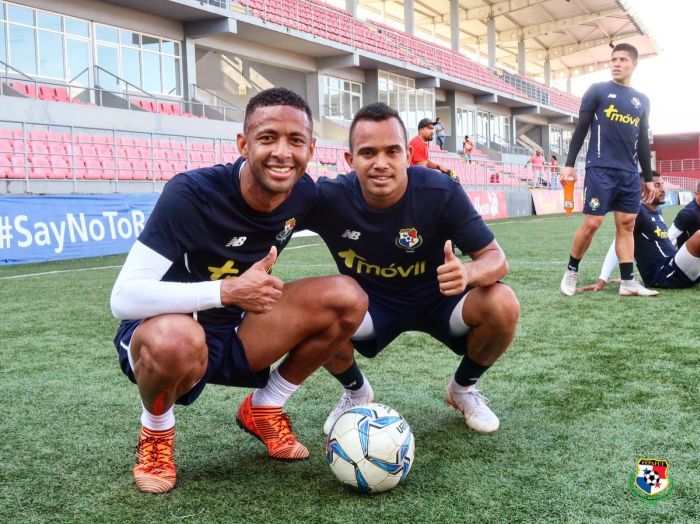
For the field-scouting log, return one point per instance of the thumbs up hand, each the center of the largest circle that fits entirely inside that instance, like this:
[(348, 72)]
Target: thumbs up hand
[(452, 275), (255, 290)]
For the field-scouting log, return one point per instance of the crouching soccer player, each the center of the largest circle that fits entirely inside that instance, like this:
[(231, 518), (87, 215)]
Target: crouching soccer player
[(391, 228), (201, 263), (659, 263)]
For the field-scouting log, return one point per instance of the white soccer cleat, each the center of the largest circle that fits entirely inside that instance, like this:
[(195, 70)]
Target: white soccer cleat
[(632, 288), (346, 402), (473, 405), (568, 283)]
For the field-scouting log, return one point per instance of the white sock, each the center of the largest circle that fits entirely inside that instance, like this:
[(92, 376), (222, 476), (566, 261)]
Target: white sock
[(157, 422), (456, 388), (276, 393), (362, 392)]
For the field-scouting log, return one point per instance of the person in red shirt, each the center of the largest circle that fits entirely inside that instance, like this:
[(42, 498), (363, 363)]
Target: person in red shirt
[(419, 146)]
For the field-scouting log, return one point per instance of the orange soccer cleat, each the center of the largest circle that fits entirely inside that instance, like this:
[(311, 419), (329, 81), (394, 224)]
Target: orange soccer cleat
[(273, 428), (154, 471)]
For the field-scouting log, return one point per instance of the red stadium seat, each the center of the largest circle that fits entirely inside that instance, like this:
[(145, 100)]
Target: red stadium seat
[(60, 167), (126, 172), (12, 166), (40, 167)]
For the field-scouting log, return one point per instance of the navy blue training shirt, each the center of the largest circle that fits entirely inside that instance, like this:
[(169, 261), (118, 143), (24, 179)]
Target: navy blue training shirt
[(203, 224), (620, 114), (652, 247), (687, 221), (394, 253)]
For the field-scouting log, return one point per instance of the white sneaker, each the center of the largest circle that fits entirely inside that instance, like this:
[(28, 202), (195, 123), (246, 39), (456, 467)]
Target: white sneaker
[(568, 283), (632, 288), (346, 402), (473, 405)]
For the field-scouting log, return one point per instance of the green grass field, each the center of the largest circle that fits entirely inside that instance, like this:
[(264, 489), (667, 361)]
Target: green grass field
[(590, 385)]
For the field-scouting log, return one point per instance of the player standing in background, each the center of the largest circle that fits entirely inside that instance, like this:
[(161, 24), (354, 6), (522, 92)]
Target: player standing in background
[(392, 228), (201, 263), (687, 221), (618, 117), (658, 261)]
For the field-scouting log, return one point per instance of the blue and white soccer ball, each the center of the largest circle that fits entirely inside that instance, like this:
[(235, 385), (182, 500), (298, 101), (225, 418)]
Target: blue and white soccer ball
[(371, 448)]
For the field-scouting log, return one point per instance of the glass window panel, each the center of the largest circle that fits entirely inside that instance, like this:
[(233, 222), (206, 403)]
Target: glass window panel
[(2, 11), (170, 47), (22, 49), (107, 58), (151, 72), (335, 104), (19, 14), (384, 97), (131, 65), (48, 21), (356, 105), (3, 54), (106, 34), (76, 27), (78, 52), (150, 43), (347, 106), (51, 54), (356, 88), (129, 38), (171, 75)]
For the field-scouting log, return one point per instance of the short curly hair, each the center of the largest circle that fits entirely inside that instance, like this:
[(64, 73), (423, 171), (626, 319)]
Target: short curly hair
[(276, 96)]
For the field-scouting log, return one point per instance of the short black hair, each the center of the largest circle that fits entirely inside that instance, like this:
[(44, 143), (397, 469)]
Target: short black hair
[(629, 49), (276, 96), (377, 112)]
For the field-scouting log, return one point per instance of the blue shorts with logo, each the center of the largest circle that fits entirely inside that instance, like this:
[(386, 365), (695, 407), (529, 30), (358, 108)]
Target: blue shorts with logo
[(227, 363), (606, 189), (433, 319)]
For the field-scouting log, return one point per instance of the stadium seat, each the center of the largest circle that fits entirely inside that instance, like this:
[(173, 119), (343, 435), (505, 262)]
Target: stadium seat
[(142, 169), (12, 167), (60, 167), (125, 170), (40, 167)]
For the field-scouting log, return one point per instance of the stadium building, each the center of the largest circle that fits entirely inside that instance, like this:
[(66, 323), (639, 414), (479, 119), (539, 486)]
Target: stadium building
[(117, 96)]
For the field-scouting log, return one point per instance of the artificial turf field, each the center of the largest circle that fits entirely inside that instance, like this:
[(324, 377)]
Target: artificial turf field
[(590, 385)]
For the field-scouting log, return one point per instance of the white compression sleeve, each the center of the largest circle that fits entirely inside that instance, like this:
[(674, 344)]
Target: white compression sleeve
[(673, 234), (139, 292), (609, 263)]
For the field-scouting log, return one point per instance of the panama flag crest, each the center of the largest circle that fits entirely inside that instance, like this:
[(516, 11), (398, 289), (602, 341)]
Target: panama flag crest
[(409, 239), (652, 476)]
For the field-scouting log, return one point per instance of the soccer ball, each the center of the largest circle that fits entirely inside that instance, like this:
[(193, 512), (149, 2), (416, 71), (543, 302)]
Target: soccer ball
[(370, 447), (652, 478)]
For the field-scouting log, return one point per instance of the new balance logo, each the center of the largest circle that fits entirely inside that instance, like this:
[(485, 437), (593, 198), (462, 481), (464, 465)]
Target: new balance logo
[(236, 242), (352, 235)]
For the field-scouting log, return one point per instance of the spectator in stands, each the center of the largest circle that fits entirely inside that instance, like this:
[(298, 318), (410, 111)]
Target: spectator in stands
[(659, 263), (419, 146), (553, 172), (467, 148), (537, 160), (186, 322), (399, 248), (618, 118), (440, 133), (687, 221)]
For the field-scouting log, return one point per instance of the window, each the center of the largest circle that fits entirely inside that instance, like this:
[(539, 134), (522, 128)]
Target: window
[(341, 98), (400, 93), (54, 46)]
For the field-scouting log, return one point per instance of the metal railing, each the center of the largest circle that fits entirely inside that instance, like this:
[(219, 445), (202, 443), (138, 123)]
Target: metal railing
[(211, 101), (33, 153), (686, 164)]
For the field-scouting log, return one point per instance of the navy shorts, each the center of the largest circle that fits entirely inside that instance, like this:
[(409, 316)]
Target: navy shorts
[(669, 277), (389, 323), (227, 363), (606, 190)]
